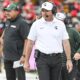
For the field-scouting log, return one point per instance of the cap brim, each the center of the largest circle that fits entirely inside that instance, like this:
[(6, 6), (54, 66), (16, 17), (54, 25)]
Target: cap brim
[(46, 8), (7, 9)]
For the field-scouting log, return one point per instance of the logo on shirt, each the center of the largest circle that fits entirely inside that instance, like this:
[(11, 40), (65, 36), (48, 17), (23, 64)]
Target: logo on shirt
[(56, 27), (13, 26), (44, 4)]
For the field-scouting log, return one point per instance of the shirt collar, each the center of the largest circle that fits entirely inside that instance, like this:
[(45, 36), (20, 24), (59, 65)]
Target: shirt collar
[(53, 21)]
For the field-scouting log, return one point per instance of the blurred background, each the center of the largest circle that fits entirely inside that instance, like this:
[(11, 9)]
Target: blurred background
[(31, 8)]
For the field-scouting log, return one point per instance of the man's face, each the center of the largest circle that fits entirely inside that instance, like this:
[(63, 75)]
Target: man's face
[(47, 14), (7, 15), (11, 14)]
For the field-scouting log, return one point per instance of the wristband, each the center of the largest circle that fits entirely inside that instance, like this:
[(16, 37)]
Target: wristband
[(68, 59), (23, 55)]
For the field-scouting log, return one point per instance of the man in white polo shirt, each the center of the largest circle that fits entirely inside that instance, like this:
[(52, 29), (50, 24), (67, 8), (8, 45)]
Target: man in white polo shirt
[(49, 35)]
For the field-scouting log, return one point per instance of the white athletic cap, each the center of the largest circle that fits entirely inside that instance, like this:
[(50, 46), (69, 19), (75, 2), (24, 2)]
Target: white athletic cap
[(60, 16), (47, 6)]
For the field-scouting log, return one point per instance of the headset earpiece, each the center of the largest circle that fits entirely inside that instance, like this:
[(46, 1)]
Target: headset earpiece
[(54, 9)]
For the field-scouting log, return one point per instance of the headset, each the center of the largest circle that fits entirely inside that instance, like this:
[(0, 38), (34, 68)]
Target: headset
[(54, 9)]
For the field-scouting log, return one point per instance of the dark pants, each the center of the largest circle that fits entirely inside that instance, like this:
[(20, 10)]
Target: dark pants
[(49, 66), (11, 73), (69, 76), (78, 69), (78, 75)]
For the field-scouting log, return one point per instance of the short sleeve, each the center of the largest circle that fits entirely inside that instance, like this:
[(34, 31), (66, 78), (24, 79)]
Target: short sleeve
[(64, 32), (24, 29), (33, 32)]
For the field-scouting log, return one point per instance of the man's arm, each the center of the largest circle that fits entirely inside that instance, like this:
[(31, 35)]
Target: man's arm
[(26, 53), (22, 59), (1, 44), (1, 38), (67, 49), (77, 40), (28, 49)]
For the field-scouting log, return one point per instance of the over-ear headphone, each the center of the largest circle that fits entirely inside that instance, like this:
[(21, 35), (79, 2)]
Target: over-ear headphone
[(54, 9)]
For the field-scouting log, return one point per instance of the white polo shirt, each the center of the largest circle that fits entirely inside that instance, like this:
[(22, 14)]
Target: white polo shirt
[(48, 36)]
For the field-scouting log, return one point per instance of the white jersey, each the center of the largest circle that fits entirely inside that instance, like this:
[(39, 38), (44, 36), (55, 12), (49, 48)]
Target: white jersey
[(48, 36)]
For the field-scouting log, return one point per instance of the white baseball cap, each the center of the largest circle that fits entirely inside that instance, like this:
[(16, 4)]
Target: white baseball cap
[(60, 16), (47, 6)]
